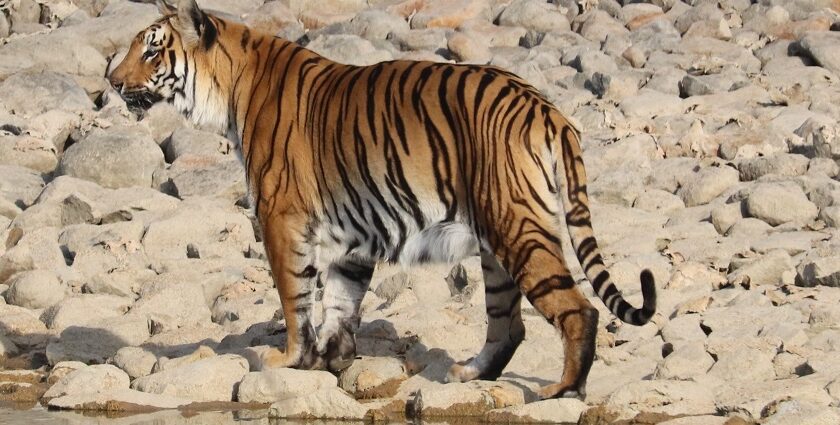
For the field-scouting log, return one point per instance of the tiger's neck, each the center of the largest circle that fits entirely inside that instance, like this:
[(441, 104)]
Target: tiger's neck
[(270, 88)]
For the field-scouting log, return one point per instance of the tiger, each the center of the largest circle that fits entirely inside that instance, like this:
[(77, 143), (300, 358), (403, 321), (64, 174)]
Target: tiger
[(406, 162)]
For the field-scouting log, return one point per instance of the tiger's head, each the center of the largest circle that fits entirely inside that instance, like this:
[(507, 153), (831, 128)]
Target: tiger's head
[(174, 60)]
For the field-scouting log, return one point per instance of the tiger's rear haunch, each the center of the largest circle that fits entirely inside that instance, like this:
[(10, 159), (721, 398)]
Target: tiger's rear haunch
[(399, 161)]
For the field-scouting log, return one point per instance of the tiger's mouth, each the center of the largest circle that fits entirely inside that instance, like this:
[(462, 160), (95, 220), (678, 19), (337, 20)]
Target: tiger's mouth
[(139, 101)]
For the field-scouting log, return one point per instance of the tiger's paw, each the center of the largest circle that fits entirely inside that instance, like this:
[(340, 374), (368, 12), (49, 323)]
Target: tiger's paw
[(461, 372), (274, 358), (561, 391)]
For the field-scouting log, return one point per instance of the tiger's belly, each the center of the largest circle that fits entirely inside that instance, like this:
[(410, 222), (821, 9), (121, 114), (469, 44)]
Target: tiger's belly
[(396, 240)]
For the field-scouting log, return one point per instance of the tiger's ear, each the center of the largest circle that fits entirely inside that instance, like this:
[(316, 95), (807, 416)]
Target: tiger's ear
[(195, 25), (165, 8)]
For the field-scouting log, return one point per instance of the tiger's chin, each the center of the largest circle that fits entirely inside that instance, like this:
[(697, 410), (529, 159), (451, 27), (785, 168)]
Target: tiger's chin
[(139, 102)]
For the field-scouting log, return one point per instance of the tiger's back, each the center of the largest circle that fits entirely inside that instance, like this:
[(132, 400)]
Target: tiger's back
[(398, 161)]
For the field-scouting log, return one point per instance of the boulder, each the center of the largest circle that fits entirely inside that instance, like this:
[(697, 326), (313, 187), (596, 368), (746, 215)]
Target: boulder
[(688, 361), (135, 361), (824, 48), (35, 289), (781, 164), (114, 158), (534, 15), (89, 380), (369, 377), (117, 400), (211, 379), (559, 410), (819, 271), (273, 385), (777, 203), (661, 396), (220, 176), (32, 93), (98, 340), (27, 151), (205, 229), (21, 326), (348, 49), (326, 403), (83, 309), (707, 184), (447, 13), (36, 249)]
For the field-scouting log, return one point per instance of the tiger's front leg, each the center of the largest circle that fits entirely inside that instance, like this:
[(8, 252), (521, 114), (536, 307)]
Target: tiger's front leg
[(293, 266), (347, 282)]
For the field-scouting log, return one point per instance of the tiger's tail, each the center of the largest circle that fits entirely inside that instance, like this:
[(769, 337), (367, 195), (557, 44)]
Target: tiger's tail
[(579, 224)]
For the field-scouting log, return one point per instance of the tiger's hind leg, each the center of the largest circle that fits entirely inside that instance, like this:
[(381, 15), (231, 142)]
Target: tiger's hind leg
[(346, 283), (505, 330), (533, 255)]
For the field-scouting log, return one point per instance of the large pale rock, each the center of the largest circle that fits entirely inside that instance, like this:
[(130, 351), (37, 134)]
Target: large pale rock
[(326, 403), (33, 93), (648, 104), (800, 412), (62, 369), (686, 362), (773, 268), (824, 48), (135, 361), (780, 203), (36, 249), (448, 13), (782, 164), (219, 176), (823, 134), (164, 120), (170, 306), (534, 15), (373, 24), (186, 141), (98, 340), (35, 289), (468, 47), (83, 309), (22, 326), (27, 151), (559, 410), (7, 347), (204, 229), (707, 184), (819, 271), (238, 311), (89, 380), (279, 384), (116, 157), (122, 399), (210, 379), (758, 401), (349, 49), (668, 397), (271, 17), (20, 186), (368, 375)]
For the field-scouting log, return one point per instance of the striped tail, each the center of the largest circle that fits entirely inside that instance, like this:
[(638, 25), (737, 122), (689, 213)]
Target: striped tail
[(579, 223)]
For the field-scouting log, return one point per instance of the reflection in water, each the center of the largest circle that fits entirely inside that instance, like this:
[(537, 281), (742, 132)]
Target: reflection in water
[(39, 415)]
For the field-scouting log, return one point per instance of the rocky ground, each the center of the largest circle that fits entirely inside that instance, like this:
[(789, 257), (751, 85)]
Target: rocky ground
[(132, 279)]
